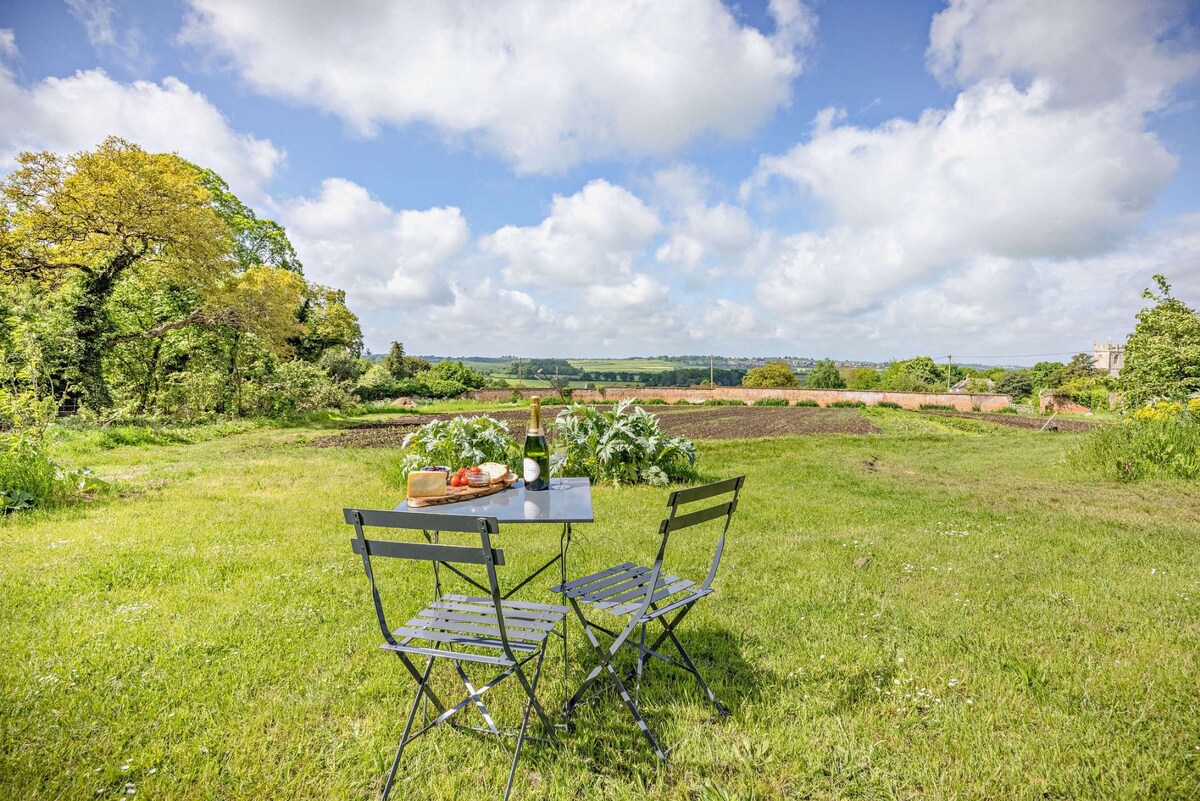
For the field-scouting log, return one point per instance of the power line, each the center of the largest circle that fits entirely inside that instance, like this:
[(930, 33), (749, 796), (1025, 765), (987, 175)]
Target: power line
[(1023, 355)]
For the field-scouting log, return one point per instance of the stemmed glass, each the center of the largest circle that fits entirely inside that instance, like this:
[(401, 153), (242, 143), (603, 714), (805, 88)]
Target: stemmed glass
[(558, 460)]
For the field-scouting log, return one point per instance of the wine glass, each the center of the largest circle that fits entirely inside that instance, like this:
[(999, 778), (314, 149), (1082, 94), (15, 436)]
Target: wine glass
[(558, 460)]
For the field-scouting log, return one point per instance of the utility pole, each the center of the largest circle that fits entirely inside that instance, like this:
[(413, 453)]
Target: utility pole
[(711, 383), (949, 371)]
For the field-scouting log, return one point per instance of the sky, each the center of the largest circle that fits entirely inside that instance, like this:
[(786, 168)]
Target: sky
[(996, 180)]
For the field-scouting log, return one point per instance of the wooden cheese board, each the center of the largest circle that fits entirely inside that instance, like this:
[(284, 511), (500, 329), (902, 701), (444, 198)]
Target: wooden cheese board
[(457, 494)]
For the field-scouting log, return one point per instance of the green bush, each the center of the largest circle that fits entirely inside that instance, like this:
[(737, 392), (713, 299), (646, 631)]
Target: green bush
[(1006, 410), (847, 404), (1147, 448), (723, 402), (29, 478), (807, 402), (295, 387), (770, 402), (889, 405), (936, 407), (682, 402), (622, 446), (651, 402), (455, 443)]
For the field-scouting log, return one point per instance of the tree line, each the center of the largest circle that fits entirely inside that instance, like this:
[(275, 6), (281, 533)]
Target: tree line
[(137, 283)]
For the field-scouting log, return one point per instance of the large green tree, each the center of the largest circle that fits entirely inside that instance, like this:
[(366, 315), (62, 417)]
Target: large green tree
[(78, 225), (1162, 355)]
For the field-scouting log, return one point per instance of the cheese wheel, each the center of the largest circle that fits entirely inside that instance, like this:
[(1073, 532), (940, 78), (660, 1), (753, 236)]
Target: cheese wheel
[(427, 484)]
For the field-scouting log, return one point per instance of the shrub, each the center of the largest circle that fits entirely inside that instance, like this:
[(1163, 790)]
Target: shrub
[(723, 402), (29, 478), (936, 407), (775, 374), (295, 387), (651, 402), (847, 404), (1158, 444), (622, 447), (825, 375), (807, 402), (863, 378), (682, 402), (770, 402), (459, 442), (889, 405), (1006, 410)]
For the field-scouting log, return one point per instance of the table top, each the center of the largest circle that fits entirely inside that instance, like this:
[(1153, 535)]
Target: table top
[(570, 503)]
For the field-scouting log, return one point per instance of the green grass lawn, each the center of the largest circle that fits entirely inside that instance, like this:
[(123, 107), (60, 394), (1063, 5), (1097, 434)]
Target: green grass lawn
[(1016, 631)]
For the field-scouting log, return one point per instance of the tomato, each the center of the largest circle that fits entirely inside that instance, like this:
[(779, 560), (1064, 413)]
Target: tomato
[(456, 481), (475, 470)]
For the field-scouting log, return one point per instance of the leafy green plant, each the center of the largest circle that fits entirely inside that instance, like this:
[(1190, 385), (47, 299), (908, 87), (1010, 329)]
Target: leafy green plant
[(807, 402), (889, 405), (459, 442), (1006, 410), (29, 478), (847, 404), (652, 402), (936, 407), (682, 402), (770, 402), (723, 402), (620, 446), (1150, 446)]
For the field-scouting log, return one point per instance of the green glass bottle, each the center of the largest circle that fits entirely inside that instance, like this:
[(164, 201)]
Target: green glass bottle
[(536, 464)]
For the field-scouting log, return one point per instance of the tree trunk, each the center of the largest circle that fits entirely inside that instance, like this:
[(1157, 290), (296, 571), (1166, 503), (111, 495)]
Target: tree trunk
[(92, 327)]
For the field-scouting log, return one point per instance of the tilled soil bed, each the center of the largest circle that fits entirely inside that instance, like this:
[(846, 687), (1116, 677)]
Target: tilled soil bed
[(715, 422), (1017, 421)]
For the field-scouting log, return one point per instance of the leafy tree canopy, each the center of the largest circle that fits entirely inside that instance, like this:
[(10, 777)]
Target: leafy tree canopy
[(774, 375), (864, 378), (1162, 355), (825, 375), (1017, 383)]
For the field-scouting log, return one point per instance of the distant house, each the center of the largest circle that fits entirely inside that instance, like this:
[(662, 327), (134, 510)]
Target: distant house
[(1108, 357)]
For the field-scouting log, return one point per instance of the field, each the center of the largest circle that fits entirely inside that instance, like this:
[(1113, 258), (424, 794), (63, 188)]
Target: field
[(624, 365), (939, 609)]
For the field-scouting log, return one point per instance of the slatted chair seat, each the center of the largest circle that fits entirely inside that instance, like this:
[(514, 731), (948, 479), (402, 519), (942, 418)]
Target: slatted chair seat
[(471, 621), (645, 594), (510, 636), (621, 590)]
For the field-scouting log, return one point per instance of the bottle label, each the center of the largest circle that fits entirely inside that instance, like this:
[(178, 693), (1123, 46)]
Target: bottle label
[(532, 470)]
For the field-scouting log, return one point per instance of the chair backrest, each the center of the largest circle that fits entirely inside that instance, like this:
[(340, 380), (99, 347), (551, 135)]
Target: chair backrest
[(432, 552), (677, 519)]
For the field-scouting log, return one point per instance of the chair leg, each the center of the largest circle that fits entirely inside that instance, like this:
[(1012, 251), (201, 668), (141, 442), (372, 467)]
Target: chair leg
[(605, 658), (412, 713), (691, 666), (512, 772)]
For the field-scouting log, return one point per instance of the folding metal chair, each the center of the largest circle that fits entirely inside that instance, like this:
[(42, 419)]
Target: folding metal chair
[(505, 635), (645, 595)]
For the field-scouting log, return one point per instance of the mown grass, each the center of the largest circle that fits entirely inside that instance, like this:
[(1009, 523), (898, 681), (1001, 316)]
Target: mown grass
[(1011, 630)]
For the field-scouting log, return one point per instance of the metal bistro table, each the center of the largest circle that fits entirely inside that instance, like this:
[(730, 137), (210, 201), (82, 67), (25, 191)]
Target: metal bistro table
[(568, 501)]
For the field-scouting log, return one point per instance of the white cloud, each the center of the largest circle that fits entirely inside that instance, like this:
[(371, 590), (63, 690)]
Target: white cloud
[(1089, 52), (1041, 160), (384, 259), (78, 112), (546, 83), (99, 19), (596, 235)]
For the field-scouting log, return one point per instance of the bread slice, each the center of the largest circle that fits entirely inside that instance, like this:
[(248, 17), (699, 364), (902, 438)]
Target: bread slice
[(495, 471)]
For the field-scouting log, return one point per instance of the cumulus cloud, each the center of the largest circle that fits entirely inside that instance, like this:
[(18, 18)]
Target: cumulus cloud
[(1044, 159), (595, 236), (78, 112), (545, 83), (383, 258)]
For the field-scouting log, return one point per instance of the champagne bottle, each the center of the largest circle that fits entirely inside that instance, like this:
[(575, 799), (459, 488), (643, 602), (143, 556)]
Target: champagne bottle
[(536, 464)]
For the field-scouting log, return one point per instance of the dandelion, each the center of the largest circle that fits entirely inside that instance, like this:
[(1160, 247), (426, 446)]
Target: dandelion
[(953, 682)]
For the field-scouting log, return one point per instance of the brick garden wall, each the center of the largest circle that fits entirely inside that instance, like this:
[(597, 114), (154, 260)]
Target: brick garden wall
[(824, 397)]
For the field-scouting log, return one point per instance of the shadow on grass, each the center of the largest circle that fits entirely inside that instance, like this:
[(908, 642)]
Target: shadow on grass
[(606, 739)]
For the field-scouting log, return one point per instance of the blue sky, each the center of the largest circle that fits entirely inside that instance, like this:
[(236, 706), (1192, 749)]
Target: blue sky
[(857, 179)]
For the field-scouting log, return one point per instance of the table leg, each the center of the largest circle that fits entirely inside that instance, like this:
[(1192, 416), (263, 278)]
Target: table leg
[(564, 545)]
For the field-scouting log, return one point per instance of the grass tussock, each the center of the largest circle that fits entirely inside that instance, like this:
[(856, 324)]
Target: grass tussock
[(1136, 449)]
